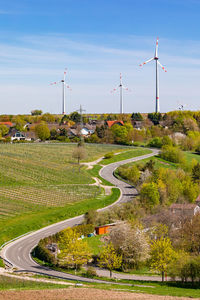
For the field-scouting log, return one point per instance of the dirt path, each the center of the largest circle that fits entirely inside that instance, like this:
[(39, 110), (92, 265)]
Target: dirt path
[(80, 293)]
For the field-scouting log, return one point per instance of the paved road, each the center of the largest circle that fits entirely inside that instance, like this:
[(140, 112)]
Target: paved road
[(18, 252)]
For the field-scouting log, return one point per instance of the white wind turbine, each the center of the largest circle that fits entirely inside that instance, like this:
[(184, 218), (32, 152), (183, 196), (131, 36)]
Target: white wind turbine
[(157, 79), (121, 88), (64, 85)]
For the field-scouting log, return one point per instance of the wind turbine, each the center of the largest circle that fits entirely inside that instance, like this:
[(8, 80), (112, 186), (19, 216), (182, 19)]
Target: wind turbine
[(64, 85), (121, 88), (157, 79)]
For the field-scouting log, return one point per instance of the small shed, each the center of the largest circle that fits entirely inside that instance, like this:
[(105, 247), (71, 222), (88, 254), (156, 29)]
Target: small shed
[(104, 228)]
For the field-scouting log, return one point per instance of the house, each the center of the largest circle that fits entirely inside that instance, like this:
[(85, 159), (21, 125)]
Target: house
[(7, 124), (187, 210), (137, 124), (17, 135), (111, 123)]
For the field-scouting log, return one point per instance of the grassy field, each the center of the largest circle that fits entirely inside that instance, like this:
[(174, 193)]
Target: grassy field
[(41, 184), (126, 155), (7, 283)]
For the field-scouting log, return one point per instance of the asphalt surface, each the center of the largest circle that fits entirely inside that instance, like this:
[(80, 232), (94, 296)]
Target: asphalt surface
[(18, 252)]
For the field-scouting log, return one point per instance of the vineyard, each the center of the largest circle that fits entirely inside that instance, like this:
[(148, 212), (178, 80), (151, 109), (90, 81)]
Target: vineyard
[(37, 176)]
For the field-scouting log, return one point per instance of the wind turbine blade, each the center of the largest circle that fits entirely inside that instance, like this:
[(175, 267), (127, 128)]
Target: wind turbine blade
[(162, 67), (156, 51), (52, 83), (147, 61)]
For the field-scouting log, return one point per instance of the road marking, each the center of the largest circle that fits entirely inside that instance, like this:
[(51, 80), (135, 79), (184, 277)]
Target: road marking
[(18, 257)]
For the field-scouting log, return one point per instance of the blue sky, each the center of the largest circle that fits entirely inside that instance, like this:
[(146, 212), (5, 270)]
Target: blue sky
[(96, 40)]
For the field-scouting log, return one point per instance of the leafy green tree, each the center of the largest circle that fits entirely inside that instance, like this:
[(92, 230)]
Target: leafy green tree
[(75, 117), (149, 195), (120, 134), (42, 131), (166, 140), (196, 172), (161, 255), (3, 130), (172, 154), (49, 118), (136, 117), (155, 142), (36, 112), (73, 251), (79, 153), (155, 118), (110, 259), (90, 216)]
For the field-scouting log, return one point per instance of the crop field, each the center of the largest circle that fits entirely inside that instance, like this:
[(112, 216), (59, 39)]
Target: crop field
[(34, 176), (43, 180)]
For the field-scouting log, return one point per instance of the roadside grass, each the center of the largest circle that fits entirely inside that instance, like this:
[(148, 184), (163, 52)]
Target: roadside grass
[(159, 163), (10, 283), (147, 287), (1, 263), (125, 155), (94, 172), (155, 288), (33, 221)]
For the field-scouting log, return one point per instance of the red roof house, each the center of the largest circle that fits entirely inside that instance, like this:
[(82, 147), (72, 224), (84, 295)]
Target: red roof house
[(111, 123)]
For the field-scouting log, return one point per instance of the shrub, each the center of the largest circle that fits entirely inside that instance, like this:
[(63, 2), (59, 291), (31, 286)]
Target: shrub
[(108, 155), (155, 142), (43, 253), (91, 272), (84, 229), (172, 154)]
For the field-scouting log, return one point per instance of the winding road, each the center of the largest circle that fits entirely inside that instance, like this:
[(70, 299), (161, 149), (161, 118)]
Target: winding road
[(18, 251)]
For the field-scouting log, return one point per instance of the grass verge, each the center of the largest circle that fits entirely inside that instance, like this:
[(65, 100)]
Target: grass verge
[(125, 155), (7, 283)]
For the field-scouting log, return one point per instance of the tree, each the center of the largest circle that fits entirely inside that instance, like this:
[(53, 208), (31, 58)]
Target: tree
[(79, 153), (155, 142), (110, 259), (42, 131), (149, 195), (161, 255), (131, 242), (3, 130), (196, 172), (155, 118), (49, 118), (172, 154), (120, 134), (73, 251), (36, 112), (90, 217), (137, 117), (75, 117)]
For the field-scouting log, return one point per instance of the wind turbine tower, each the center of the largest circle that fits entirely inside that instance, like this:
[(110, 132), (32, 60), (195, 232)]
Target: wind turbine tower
[(157, 75), (121, 88), (64, 85)]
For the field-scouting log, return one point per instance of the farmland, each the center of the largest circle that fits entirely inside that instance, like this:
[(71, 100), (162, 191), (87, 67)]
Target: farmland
[(38, 180)]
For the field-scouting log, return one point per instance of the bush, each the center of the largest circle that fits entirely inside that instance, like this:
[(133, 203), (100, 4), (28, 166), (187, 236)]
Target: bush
[(91, 272), (155, 142), (108, 155), (172, 154), (84, 229), (43, 253)]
